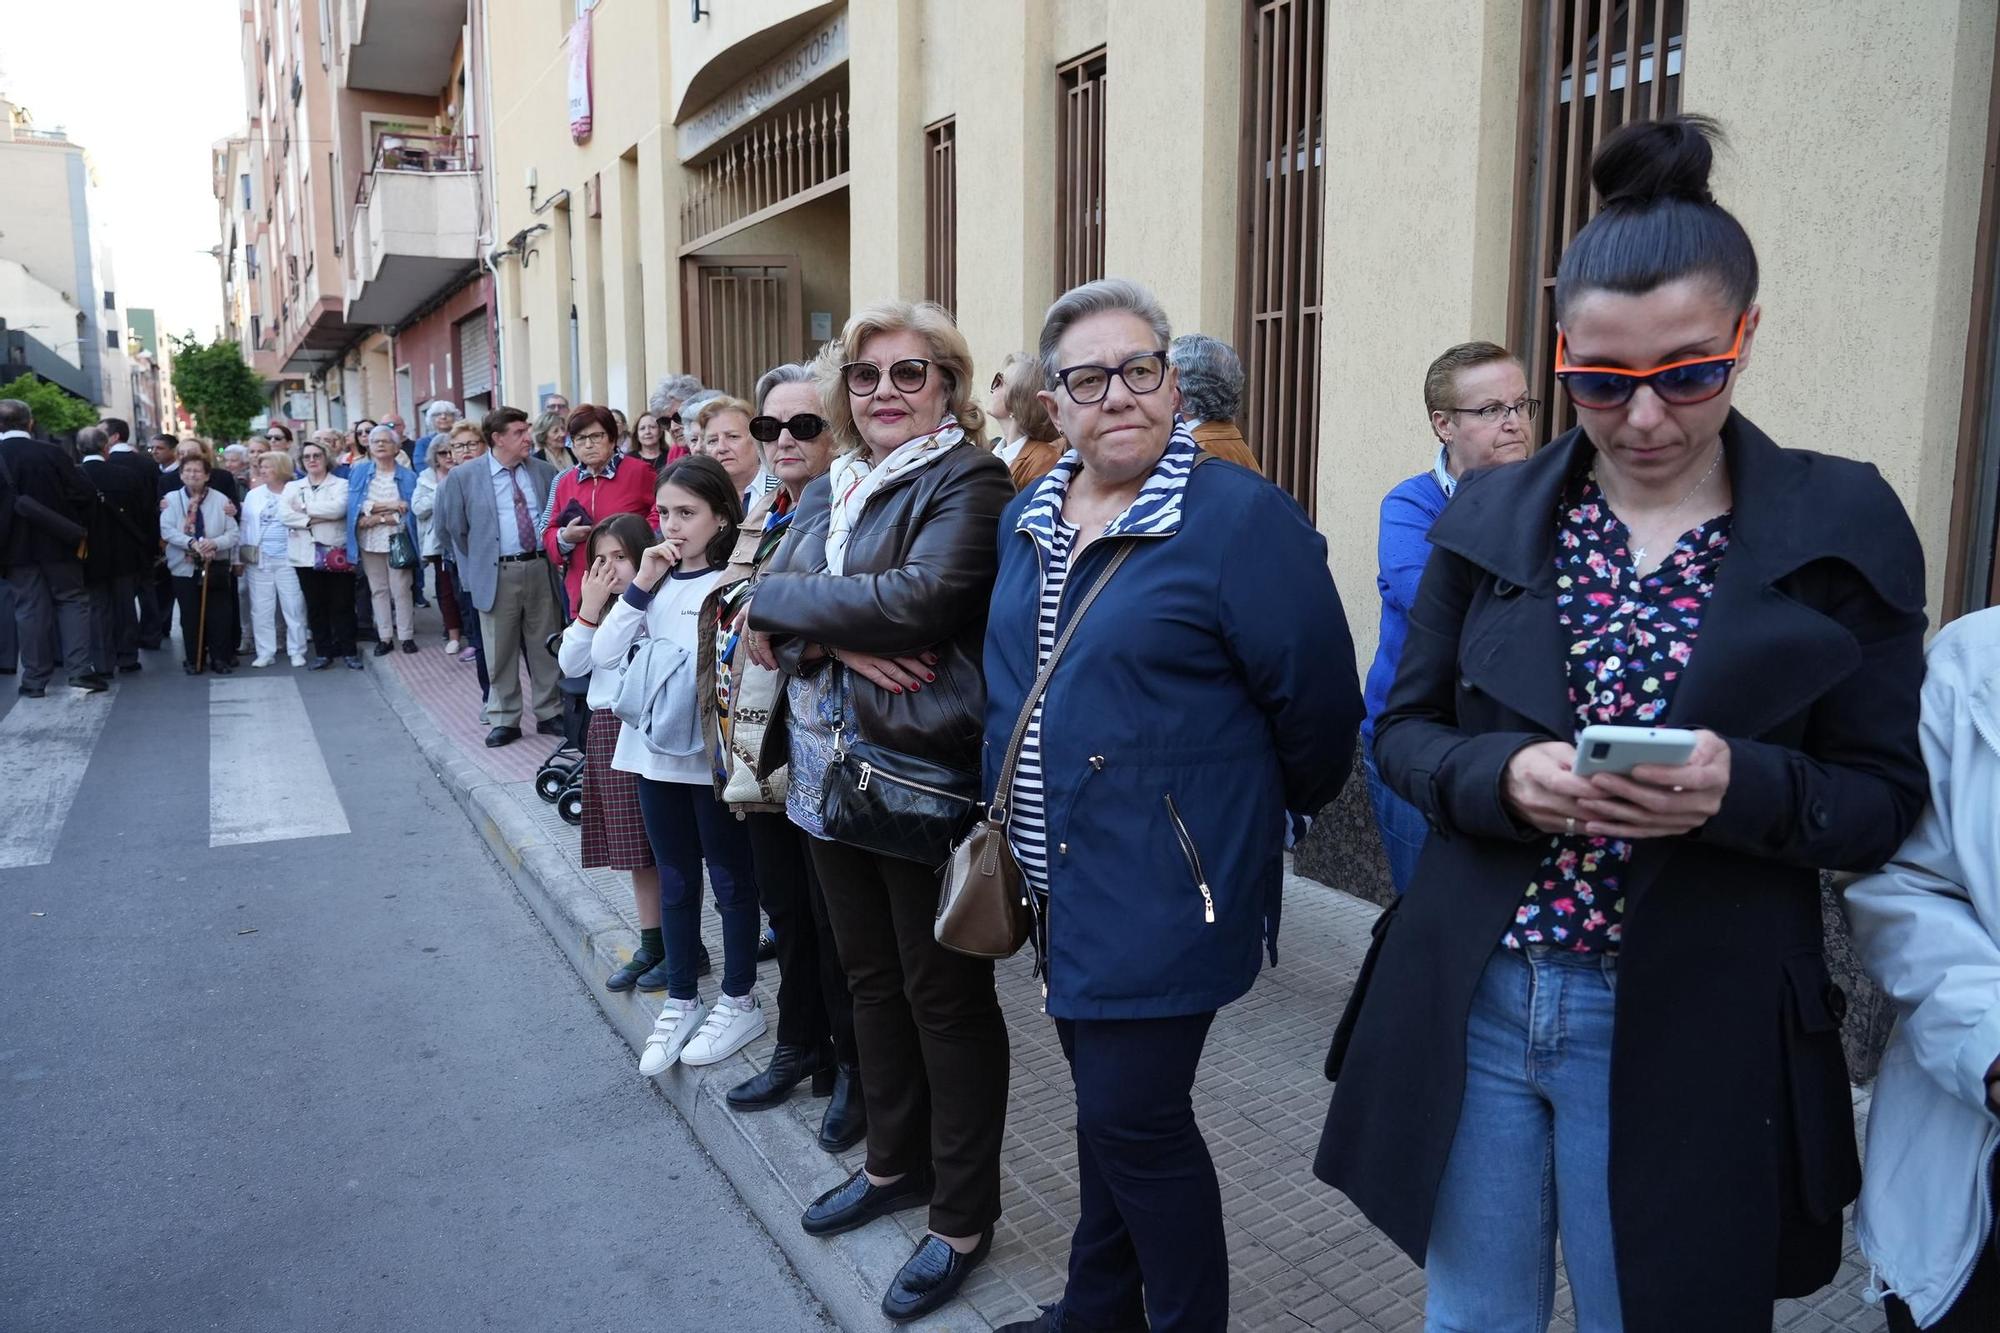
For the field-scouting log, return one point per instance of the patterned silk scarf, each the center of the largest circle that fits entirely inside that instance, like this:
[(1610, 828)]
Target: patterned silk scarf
[(855, 483)]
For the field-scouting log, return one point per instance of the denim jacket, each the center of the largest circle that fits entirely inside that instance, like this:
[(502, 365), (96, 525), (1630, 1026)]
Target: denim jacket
[(1928, 927)]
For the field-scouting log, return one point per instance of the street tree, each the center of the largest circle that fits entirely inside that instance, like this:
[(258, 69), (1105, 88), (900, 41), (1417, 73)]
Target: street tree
[(215, 385), (56, 412)]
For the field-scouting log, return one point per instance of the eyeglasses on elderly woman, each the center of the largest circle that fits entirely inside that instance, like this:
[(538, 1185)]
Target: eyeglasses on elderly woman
[(804, 426), (1142, 373), (908, 375)]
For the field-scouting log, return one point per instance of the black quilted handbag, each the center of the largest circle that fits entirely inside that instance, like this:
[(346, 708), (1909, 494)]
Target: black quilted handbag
[(895, 804)]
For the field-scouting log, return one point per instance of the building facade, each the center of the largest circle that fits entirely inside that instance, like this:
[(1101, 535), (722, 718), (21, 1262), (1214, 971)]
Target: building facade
[(351, 211), (712, 188), (57, 284)]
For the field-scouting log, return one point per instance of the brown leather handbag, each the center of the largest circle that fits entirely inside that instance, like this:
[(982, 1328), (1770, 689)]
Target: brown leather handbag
[(983, 910)]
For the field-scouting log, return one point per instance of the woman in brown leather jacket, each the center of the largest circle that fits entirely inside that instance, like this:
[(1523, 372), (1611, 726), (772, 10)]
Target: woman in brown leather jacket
[(875, 608)]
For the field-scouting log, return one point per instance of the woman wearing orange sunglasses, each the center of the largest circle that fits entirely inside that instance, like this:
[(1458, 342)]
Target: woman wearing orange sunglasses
[(1601, 1012)]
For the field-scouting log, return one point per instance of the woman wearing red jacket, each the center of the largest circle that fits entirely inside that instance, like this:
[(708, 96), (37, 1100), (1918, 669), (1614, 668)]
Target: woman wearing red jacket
[(602, 483)]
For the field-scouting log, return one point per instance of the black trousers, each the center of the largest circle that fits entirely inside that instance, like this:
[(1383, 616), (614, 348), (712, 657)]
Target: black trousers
[(813, 1004), (927, 1022), (329, 611), (221, 610), (154, 591), (114, 628), (1149, 1249), (1977, 1309)]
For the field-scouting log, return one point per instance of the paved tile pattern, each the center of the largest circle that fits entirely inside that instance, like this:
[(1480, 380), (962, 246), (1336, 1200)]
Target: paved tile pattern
[(1301, 1256)]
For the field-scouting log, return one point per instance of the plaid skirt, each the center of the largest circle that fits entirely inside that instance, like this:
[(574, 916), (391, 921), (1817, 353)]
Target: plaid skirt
[(614, 836)]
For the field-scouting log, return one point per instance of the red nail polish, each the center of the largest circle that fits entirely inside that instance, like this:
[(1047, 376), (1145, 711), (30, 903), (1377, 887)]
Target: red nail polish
[(933, 680)]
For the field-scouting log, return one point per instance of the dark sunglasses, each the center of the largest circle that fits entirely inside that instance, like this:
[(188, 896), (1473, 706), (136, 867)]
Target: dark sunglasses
[(908, 375), (804, 426), (1682, 383)]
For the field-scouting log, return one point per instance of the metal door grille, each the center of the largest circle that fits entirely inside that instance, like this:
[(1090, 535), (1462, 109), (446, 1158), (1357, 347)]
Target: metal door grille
[(475, 356), (941, 213), (1080, 172), (742, 314), (1589, 67), (1280, 245), (781, 160)]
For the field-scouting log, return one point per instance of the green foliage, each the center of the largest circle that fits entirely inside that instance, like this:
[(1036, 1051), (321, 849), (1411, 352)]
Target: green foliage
[(215, 385), (56, 412)]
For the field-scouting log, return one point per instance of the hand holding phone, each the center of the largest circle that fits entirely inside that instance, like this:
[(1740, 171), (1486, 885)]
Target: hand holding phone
[(1606, 748)]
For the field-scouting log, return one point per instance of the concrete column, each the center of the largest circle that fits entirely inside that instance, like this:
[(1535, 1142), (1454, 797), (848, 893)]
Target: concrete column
[(624, 299), (661, 187), (1172, 113), (886, 150), (1419, 214), (1863, 207), (590, 298), (1006, 180)]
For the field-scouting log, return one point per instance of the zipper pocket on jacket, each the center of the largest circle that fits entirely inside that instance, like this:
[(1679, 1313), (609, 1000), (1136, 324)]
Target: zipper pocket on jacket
[(868, 772), (1193, 856)]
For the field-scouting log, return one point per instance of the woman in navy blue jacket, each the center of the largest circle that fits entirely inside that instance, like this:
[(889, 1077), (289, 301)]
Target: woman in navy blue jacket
[(1210, 690), (379, 493)]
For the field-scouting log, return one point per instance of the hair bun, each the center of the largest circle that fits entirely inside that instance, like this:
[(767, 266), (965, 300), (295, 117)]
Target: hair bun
[(1657, 159)]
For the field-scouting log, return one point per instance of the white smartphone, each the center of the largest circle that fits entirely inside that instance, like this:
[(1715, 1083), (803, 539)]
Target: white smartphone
[(1606, 748)]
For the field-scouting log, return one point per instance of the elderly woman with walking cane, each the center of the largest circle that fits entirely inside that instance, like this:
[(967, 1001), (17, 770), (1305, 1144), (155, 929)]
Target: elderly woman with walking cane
[(199, 533)]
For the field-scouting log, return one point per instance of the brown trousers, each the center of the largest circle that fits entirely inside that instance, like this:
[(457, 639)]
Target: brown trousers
[(927, 1022)]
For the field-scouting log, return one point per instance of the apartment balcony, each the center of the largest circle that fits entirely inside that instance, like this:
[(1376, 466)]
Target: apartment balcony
[(416, 227), (403, 46)]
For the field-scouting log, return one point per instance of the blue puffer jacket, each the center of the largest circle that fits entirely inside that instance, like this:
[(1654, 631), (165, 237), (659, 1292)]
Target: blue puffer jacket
[(1210, 689), (357, 496)]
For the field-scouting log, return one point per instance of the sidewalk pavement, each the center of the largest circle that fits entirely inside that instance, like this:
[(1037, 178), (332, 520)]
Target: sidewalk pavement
[(1301, 1257)]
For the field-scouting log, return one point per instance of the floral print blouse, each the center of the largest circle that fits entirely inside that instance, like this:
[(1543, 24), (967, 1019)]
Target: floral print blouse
[(1630, 641)]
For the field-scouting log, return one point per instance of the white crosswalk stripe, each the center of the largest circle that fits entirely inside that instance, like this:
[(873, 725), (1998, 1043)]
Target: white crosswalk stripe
[(267, 778), (45, 747)]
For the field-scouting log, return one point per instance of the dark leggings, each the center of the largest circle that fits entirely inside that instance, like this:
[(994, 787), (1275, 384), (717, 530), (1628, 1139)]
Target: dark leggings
[(813, 1003), (221, 611), (329, 611), (687, 825), (447, 597)]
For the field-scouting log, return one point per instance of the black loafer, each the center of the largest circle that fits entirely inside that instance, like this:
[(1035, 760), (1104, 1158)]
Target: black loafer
[(931, 1276), (409, 645), (627, 976), (89, 681), (549, 726), (384, 648), (855, 1203), (1050, 1320), (500, 736), (319, 664), (38, 692), (654, 978)]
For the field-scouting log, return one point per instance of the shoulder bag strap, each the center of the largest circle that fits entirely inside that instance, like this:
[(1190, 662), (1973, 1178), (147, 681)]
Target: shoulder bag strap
[(997, 810)]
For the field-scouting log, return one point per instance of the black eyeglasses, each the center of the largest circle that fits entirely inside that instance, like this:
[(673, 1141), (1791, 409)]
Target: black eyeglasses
[(908, 375), (1525, 408), (804, 426), (1142, 374)]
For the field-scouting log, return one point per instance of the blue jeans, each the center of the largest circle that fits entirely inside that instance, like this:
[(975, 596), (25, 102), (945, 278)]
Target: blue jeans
[(1401, 825), (1531, 1157), (687, 825)]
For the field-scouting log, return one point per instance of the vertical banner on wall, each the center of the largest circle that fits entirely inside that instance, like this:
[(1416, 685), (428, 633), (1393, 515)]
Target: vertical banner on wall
[(579, 78)]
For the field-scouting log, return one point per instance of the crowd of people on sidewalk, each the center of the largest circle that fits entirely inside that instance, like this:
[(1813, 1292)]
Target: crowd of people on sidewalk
[(928, 676)]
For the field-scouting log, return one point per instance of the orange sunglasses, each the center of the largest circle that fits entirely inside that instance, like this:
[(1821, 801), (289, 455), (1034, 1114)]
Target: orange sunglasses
[(1682, 383)]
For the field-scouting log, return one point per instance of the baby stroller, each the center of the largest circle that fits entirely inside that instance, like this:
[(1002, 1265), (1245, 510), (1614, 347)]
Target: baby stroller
[(559, 781)]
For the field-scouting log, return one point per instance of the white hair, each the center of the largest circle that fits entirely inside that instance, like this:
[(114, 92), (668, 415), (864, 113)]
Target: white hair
[(438, 407), (672, 389), (692, 407)]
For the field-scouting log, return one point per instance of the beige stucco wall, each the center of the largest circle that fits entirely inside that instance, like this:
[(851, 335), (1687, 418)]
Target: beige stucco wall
[(886, 149), (1862, 200), (627, 344), (696, 46), (1419, 211)]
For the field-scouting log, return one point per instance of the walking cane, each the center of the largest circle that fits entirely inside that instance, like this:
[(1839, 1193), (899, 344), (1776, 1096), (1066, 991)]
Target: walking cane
[(201, 624)]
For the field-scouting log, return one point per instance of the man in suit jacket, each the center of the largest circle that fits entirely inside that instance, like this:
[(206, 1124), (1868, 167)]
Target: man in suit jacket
[(145, 587), (486, 514), (51, 608), (1211, 382), (124, 542), (156, 616)]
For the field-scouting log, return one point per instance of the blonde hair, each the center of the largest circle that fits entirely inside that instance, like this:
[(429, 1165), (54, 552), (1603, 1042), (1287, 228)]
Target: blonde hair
[(465, 428), (714, 407), (277, 456), (1020, 389), (949, 356)]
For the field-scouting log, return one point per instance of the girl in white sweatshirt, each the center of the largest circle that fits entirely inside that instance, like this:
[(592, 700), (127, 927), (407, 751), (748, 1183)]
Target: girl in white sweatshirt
[(699, 513)]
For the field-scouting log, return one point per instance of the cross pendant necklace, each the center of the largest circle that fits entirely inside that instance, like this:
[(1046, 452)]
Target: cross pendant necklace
[(1639, 552)]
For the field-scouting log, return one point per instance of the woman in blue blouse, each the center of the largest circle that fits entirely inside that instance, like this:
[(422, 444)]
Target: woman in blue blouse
[(1480, 412)]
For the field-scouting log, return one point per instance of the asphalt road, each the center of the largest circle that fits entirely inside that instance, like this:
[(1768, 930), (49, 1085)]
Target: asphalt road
[(343, 1081)]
